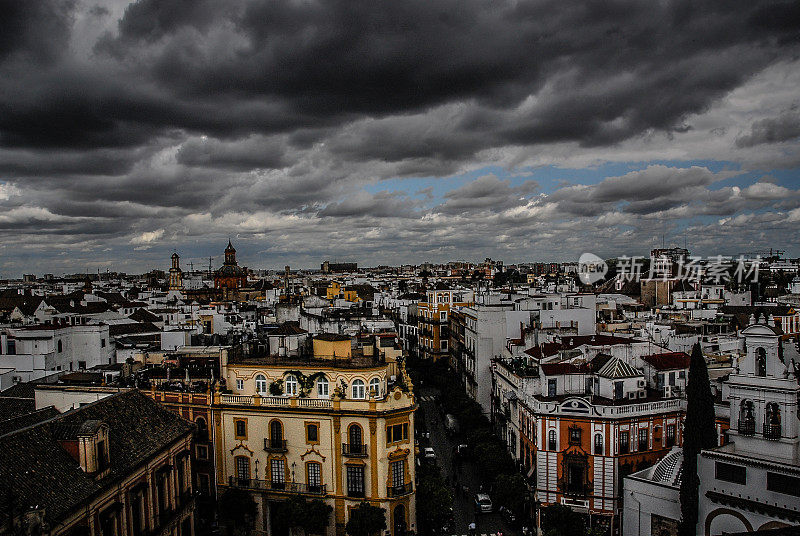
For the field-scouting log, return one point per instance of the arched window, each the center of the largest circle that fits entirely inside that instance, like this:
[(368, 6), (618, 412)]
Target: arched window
[(60, 346), (354, 436), (598, 444), (399, 520), (276, 430), (761, 362), (747, 419), (322, 387), (551, 440), (202, 429), (375, 387), (291, 385), (773, 413), (772, 421), (359, 389), (261, 384)]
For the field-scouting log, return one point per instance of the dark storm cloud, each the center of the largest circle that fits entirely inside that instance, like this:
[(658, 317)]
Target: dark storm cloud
[(266, 66), (487, 192), (785, 127), (379, 205), (192, 117), (238, 155), (37, 31), (62, 163)]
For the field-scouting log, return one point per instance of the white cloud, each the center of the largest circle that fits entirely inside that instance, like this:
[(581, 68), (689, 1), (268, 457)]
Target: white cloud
[(148, 237)]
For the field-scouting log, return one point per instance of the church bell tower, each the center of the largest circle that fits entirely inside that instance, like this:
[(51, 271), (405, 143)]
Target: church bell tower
[(175, 274), (764, 396)]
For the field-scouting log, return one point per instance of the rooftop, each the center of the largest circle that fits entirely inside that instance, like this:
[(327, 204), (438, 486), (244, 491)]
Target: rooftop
[(41, 472), (358, 361)]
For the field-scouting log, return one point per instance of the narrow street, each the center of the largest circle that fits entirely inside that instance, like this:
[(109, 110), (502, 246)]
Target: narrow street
[(463, 504)]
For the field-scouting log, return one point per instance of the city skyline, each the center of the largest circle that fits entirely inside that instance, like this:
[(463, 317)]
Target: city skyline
[(306, 132)]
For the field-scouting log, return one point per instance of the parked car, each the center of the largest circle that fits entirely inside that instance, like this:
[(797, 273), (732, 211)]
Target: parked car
[(483, 504)]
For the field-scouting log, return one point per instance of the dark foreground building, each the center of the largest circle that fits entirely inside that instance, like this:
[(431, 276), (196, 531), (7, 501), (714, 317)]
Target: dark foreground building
[(120, 466)]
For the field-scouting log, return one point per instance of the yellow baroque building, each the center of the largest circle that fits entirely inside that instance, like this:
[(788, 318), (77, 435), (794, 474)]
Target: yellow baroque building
[(336, 426)]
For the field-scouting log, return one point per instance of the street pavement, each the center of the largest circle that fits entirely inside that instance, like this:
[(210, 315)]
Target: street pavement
[(463, 511)]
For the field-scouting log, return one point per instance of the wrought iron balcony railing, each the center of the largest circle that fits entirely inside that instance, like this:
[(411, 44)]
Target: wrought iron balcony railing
[(270, 485), (354, 450), (398, 491), (747, 427), (772, 431), (274, 445)]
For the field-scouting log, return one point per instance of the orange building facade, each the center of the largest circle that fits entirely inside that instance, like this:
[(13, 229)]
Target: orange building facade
[(432, 329), (576, 453)]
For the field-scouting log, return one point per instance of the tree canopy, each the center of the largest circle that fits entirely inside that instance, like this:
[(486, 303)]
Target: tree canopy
[(366, 520), (434, 499), (312, 516), (237, 511)]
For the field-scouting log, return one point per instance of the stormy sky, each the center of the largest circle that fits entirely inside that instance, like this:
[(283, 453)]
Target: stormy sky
[(391, 132)]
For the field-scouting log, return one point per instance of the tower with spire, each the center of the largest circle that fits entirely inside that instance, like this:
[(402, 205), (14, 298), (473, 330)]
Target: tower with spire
[(230, 276), (175, 274), (230, 254)]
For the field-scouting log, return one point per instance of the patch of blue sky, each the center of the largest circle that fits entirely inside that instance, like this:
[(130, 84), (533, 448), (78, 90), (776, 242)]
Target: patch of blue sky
[(551, 178)]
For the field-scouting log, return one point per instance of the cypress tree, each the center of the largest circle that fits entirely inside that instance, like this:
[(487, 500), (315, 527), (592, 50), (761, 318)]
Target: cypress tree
[(699, 432)]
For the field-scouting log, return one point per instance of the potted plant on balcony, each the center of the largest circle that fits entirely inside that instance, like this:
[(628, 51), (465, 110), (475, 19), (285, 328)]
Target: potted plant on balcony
[(276, 388)]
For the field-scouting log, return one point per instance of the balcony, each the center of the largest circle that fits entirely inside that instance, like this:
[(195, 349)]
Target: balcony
[(274, 445), (356, 493), (354, 450), (284, 487), (747, 427), (579, 488), (399, 491), (772, 432)]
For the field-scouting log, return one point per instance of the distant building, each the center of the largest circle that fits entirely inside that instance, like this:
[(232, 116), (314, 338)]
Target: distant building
[(433, 313), (675, 255), (230, 276), (37, 351), (328, 267), (175, 274)]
